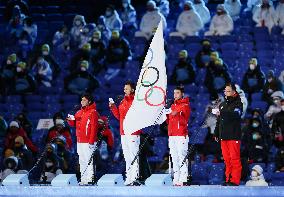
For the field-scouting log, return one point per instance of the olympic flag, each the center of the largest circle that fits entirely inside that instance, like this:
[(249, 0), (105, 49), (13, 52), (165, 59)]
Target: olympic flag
[(150, 96)]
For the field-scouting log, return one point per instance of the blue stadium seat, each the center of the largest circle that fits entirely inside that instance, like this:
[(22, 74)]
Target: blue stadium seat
[(259, 104), (38, 17), (54, 17), (256, 96), (52, 9)]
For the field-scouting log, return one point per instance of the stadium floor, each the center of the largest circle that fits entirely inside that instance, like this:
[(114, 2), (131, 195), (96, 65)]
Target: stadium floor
[(158, 191)]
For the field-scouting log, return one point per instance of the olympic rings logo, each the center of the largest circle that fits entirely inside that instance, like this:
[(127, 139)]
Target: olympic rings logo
[(145, 83)]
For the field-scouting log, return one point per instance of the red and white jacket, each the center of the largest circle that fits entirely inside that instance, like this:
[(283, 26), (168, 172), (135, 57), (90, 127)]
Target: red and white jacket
[(178, 124), (121, 112), (86, 123)]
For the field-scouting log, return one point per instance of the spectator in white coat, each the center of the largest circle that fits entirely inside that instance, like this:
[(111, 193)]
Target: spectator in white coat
[(264, 15), (251, 5), (257, 178), (202, 10), (188, 16), (78, 24), (112, 19), (150, 21), (128, 15), (234, 8), (279, 15), (221, 24), (281, 77), (164, 7), (276, 107)]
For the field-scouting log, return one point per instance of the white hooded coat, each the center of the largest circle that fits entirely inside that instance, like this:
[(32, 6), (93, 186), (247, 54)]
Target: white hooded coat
[(233, 8), (257, 180), (203, 12), (113, 22), (279, 15), (264, 17)]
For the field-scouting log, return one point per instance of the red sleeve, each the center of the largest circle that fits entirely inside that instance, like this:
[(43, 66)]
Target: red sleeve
[(7, 141), (52, 134), (110, 139), (68, 137), (94, 127), (115, 111)]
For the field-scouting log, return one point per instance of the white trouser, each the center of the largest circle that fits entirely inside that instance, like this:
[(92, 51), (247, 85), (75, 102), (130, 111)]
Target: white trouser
[(130, 147), (178, 149), (85, 153)]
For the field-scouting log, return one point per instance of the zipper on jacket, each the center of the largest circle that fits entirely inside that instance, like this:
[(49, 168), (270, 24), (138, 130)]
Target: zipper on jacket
[(87, 126)]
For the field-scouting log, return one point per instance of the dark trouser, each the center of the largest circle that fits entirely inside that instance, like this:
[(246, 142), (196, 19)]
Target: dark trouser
[(232, 158)]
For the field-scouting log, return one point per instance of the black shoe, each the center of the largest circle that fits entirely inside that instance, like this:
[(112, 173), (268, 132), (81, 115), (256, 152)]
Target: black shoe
[(136, 183), (232, 184), (225, 183)]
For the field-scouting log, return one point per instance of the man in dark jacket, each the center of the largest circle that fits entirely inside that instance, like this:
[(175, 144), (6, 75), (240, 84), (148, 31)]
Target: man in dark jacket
[(253, 80), (228, 130), (272, 85), (202, 58), (277, 130)]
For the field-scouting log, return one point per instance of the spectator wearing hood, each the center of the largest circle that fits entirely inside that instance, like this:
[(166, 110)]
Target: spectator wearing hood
[(272, 85), (14, 131), (128, 16), (87, 33), (164, 7), (46, 54), (112, 19), (257, 178), (277, 130), (31, 28), (60, 129), (255, 146), (61, 40), (202, 58), (78, 24), (24, 45), (10, 164), (243, 99), (25, 123), (8, 71), (276, 106), (51, 165), (251, 5), (63, 153), (217, 76), (83, 53), (253, 80), (279, 15), (221, 24), (150, 20), (184, 72), (81, 80), (118, 49), (279, 160), (202, 10), (98, 51), (188, 16), (234, 8), (42, 72), (23, 154), (105, 31), (23, 82), (264, 15)]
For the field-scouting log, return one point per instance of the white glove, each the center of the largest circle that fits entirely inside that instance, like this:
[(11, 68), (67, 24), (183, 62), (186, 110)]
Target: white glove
[(168, 111), (215, 111), (111, 100), (71, 117)]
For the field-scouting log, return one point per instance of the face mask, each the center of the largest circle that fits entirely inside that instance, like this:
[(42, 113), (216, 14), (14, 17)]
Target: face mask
[(251, 66), (186, 8), (254, 125), (77, 23), (254, 174), (95, 39), (255, 136), (125, 5), (45, 52), (83, 68), (19, 69), (269, 80), (48, 164), (219, 13), (9, 62), (108, 13), (276, 101)]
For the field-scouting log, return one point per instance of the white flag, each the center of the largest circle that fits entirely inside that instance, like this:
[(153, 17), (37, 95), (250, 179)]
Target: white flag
[(150, 96)]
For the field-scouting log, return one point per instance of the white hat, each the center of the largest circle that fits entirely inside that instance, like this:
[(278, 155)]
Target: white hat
[(258, 168), (59, 122), (14, 124), (278, 94), (188, 3), (151, 3)]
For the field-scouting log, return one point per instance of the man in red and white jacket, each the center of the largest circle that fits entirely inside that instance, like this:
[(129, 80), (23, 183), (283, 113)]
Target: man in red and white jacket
[(86, 123), (178, 135), (130, 143)]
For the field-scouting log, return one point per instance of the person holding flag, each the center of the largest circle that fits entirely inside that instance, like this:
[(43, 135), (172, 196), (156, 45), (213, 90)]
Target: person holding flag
[(130, 143), (178, 117)]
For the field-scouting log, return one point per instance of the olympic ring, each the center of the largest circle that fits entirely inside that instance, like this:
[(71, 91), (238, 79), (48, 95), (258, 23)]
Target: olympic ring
[(152, 55), (137, 97), (150, 84), (155, 105)]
